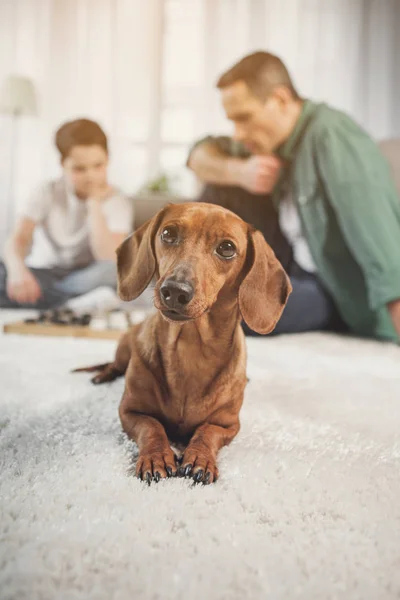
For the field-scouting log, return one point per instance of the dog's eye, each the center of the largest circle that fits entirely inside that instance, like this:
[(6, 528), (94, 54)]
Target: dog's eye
[(226, 249), (169, 235)]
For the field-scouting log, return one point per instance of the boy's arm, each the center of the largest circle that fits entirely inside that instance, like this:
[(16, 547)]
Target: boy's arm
[(110, 222), (222, 161), (22, 286)]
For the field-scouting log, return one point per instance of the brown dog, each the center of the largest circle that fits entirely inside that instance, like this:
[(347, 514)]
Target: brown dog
[(186, 364)]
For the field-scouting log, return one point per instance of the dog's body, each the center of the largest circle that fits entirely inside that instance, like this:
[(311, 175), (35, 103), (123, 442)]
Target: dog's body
[(185, 366)]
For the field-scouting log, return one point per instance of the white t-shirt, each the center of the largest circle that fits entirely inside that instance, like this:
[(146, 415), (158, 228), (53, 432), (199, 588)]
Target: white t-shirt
[(290, 225), (61, 238)]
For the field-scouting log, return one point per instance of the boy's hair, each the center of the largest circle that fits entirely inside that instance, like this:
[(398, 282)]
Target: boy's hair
[(81, 132), (262, 72)]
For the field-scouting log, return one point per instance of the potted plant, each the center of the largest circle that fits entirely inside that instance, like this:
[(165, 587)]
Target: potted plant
[(153, 195)]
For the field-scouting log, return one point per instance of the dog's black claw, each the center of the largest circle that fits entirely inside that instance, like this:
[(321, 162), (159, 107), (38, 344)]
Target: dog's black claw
[(188, 470), (207, 478), (157, 476), (198, 476), (181, 472), (148, 478), (169, 471)]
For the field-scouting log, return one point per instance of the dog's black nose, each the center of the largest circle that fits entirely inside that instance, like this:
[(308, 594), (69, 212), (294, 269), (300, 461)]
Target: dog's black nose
[(176, 294)]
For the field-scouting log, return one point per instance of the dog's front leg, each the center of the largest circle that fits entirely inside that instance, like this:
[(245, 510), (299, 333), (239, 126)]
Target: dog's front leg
[(156, 459), (200, 457)]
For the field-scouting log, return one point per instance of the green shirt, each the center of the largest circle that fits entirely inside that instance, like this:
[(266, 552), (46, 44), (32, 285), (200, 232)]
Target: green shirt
[(350, 214)]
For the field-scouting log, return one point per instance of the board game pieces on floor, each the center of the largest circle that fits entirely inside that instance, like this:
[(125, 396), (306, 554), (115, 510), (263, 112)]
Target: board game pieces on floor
[(66, 323)]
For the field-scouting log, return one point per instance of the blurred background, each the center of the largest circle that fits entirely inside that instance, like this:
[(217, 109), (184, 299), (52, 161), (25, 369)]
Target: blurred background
[(146, 70)]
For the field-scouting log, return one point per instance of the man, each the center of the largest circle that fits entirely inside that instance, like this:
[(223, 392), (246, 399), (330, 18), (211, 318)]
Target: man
[(332, 188), (64, 242)]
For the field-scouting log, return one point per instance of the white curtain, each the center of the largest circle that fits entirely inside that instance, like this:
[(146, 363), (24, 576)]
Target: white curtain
[(146, 70), (344, 52), (92, 58)]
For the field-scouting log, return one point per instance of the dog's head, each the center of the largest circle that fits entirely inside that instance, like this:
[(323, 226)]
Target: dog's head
[(200, 253)]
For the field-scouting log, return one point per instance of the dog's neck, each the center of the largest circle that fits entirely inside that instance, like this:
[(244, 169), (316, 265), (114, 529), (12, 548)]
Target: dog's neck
[(199, 349), (215, 329)]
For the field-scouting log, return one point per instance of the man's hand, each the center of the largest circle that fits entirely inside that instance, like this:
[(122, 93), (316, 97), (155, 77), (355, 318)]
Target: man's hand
[(259, 174), (22, 286), (394, 310)]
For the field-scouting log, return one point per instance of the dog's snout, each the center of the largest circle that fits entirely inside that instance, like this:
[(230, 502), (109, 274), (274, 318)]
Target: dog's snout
[(176, 294)]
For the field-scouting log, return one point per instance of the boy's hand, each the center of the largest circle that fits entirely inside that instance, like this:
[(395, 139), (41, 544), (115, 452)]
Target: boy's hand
[(99, 192), (259, 174), (22, 286)]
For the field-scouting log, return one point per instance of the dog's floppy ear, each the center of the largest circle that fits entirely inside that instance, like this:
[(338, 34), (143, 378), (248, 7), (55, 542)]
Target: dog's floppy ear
[(136, 259), (265, 288)]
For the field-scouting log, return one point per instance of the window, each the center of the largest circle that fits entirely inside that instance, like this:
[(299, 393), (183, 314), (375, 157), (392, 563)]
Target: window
[(182, 82)]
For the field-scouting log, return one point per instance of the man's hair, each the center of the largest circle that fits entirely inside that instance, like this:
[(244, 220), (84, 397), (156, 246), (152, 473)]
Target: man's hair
[(262, 72), (81, 132)]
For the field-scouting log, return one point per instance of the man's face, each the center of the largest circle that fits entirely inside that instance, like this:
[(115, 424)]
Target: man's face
[(259, 125), (85, 168)]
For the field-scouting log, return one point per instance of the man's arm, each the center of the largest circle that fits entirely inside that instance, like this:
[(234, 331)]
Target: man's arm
[(365, 201), (211, 165), (225, 163)]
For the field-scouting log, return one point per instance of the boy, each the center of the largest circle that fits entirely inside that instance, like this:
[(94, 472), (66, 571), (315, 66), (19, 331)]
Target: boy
[(74, 225)]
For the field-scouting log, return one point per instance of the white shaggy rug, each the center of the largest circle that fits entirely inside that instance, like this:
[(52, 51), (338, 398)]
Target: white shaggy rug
[(307, 505)]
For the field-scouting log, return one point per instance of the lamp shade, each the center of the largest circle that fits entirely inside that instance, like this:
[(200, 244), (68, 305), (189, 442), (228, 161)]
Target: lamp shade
[(18, 96)]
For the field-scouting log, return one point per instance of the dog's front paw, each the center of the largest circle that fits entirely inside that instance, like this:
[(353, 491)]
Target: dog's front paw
[(200, 465), (153, 466)]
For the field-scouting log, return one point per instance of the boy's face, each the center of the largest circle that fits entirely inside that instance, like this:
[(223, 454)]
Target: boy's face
[(85, 168)]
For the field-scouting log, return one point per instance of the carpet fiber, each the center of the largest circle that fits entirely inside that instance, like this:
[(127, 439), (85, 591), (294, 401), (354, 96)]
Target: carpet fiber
[(307, 505)]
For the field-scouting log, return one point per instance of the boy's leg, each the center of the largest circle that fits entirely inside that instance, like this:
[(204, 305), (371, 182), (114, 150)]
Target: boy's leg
[(309, 308), (47, 278), (81, 281)]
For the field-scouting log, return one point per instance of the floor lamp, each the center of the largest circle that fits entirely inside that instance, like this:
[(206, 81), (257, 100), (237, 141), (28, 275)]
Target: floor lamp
[(17, 98)]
